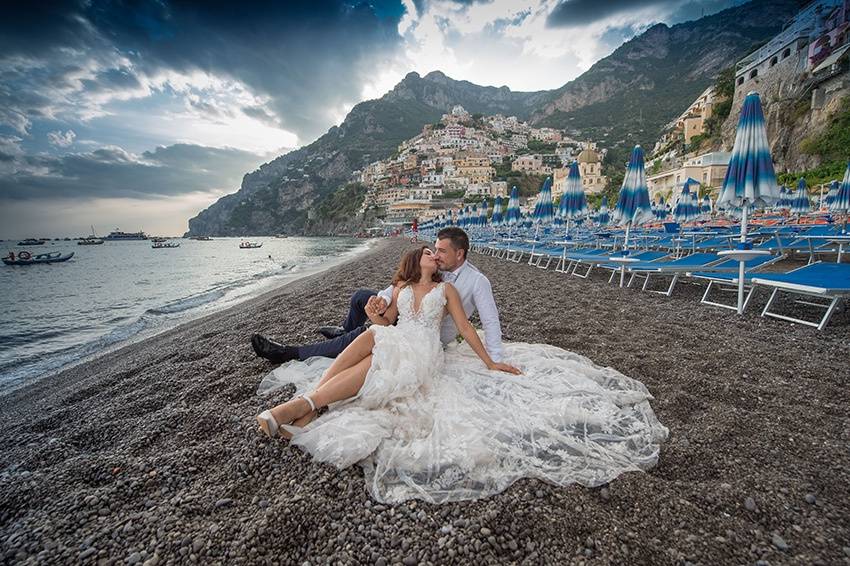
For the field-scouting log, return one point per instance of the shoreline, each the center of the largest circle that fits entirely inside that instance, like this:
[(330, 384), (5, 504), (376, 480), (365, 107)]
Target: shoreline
[(187, 317), (160, 436)]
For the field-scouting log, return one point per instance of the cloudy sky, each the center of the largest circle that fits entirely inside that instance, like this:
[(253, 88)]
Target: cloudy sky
[(139, 114)]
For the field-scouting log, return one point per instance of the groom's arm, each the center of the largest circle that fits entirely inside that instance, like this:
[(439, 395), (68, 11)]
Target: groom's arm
[(485, 304)]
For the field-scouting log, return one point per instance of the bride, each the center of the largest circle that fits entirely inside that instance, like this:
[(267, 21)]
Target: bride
[(440, 426)]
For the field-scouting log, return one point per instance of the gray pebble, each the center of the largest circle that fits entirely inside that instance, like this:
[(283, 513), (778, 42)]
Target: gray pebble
[(846, 550), (604, 494), (811, 499), (486, 532), (750, 504), (779, 542), (381, 562), (134, 558), (88, 552), (223, 502), (410, 561)]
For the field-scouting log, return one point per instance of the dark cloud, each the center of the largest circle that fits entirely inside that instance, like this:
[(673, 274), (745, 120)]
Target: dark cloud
[(306, 57), (112, 172), (571, 13)]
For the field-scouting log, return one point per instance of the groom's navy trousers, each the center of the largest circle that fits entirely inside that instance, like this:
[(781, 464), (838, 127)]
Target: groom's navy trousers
[(354, 326)]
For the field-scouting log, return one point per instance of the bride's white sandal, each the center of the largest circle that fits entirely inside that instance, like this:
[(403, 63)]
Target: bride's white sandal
[(270, 426)]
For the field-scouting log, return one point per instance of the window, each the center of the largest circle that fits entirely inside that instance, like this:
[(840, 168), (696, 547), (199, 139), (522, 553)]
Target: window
[(786, 53), (754, 73), (773, 61), (740, 80)]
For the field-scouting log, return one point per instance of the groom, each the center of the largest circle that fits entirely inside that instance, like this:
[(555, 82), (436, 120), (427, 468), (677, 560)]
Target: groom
[(450, 251)]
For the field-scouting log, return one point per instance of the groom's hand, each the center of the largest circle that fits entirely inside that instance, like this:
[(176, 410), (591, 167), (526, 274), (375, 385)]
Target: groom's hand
[(376, 305)]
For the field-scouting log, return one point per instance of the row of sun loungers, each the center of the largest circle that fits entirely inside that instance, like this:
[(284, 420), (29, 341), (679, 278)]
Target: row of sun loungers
[(667, 259)]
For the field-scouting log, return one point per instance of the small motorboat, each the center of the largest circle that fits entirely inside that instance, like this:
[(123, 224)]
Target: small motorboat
[(246, 245), (91, 240), (31, 242), (201, 238), (158, 245), (26, 258)]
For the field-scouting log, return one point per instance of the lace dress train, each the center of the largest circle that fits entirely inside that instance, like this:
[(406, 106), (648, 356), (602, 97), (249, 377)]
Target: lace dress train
[(441, 427)]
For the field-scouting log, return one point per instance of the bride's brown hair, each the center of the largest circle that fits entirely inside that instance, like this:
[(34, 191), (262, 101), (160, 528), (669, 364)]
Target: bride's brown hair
[(409, 270)]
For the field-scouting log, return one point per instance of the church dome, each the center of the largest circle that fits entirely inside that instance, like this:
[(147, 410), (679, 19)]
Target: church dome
[(588, 156)]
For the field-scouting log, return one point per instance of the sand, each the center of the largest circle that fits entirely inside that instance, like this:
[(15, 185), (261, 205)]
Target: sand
[(150, 454)]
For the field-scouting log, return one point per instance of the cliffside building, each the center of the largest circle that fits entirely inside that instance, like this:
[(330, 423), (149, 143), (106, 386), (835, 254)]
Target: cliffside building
[(709, 169)]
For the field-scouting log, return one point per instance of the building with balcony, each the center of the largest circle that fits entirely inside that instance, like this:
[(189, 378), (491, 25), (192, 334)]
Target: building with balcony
[(709, 169)]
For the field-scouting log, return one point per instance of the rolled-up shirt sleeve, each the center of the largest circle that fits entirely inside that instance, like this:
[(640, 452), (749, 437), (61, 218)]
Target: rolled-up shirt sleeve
[(485, 304), (387, 295)]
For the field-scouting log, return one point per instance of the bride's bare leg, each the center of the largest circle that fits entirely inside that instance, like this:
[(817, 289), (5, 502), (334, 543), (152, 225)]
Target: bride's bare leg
[(344, 385), (355, 353)]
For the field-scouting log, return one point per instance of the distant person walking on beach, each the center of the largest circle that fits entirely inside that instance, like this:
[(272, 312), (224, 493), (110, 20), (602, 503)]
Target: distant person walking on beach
[(450, 253), (439, 425)]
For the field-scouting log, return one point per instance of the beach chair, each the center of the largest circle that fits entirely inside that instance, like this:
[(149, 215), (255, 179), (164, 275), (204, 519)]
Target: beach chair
[(699, 261), (724, 277), (602, 262), (829, 282)]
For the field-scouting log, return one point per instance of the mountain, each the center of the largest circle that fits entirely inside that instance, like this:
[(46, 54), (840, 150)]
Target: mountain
[(623, 99)]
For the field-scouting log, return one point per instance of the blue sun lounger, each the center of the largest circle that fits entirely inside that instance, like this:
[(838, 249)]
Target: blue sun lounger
[(724, 276), (825, 281), (676, 268)]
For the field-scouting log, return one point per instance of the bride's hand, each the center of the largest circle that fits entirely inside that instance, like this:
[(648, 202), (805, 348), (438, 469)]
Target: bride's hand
[(508, 368)]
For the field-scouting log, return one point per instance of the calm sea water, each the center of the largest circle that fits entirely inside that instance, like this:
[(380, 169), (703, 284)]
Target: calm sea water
[(55, 315)]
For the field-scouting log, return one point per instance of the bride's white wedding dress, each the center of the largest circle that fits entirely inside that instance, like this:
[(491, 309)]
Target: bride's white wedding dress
[(439, 426)]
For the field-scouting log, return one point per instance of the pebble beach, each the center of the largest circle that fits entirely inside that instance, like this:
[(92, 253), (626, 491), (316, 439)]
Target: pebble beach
[(150, 454)]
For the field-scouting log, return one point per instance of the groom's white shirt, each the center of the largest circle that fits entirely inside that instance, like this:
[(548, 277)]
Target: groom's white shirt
[(476, 294)]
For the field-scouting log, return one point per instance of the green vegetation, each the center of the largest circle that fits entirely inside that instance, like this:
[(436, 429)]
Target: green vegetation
[(343, 203), (537, 146), (454, 194), (833, 147)]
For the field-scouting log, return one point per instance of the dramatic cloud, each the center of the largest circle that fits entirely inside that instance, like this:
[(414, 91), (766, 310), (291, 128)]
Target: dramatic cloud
[(112, 172)]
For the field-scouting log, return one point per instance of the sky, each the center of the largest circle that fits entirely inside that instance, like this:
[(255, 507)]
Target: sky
[(138, 115)]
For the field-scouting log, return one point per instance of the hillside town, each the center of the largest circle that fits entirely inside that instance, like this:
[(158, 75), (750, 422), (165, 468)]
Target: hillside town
[(468, 156)]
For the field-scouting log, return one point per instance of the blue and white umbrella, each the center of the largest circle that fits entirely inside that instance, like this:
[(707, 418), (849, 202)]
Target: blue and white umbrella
[(800, 202), (660, 209), (706, 207), (841, 201), (544, 211), (633, 206), (473, 216), (482, 213), (830, 196), (750, 180), (573, 201), (686, 209), (498, 218), (784, 202), (512, 215), (603, 217)]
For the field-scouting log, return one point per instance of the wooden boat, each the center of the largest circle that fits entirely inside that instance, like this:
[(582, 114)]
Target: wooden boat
[(246, 245), (25, 258)]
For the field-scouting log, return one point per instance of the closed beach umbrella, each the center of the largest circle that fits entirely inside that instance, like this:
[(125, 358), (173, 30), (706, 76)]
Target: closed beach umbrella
[(783, 202), (497, 218), (660, 209), (800, 203), (512, 215), (750, 181), (833, 190), (841, 201), (633, 206), (482, 213), (685, 210), (706, 207), (573, 201), (544, 211), (603, 217)]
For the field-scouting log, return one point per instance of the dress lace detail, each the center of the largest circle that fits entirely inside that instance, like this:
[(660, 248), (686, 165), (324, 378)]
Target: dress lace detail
[(439, 426)]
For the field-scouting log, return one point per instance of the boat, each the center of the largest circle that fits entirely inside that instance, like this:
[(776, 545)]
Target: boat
[(281, 236), (31, 242), (158, 239), (246, 245), (119, 235), (161, 244), (201, 238), (26, 258), (92, 240)]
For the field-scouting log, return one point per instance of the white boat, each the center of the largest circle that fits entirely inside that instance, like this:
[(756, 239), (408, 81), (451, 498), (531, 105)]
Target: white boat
[(246, 245), (92, 240), (159, 244)]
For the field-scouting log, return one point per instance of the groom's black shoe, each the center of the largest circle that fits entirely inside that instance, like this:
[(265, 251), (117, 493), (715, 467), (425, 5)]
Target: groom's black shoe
[(330, 332), (271, 350)]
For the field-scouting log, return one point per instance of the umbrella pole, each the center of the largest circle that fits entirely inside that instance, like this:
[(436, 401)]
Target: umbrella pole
[(741, 263), (625, 251), (534, 243)]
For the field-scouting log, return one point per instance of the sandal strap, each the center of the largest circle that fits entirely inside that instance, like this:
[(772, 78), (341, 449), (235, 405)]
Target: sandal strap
[(309, 401)]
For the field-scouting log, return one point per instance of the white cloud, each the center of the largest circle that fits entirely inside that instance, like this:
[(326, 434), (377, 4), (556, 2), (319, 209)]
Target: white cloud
[(60, 138)]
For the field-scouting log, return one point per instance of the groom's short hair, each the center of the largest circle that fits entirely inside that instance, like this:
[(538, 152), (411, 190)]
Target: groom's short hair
[(459, 239)]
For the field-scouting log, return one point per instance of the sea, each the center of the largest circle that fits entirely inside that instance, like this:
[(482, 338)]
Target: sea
[(106, 296)]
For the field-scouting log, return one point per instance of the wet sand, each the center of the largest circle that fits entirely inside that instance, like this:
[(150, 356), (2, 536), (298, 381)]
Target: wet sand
[(150, 454)]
